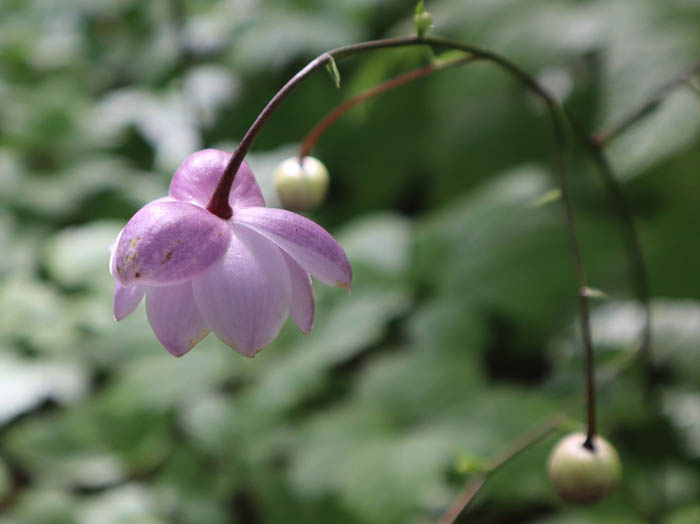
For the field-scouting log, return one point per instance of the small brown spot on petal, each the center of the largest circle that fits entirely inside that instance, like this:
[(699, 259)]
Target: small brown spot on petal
[(137, 275), (169, 255), (344, 285), (194, 341)]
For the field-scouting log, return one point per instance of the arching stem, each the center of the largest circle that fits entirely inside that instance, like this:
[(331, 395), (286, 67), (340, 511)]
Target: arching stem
[(219, 202), (317, 132)]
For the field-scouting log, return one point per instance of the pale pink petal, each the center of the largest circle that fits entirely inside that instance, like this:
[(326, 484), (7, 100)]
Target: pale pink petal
[(244, 297), (302, 307), (245, 191), (305, 241), (198, 175), (112, 255), (174, 317), (126, 299), (167, 243), (113, 246)]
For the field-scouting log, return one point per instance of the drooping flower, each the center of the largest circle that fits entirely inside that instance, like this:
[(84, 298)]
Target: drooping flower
[(239, 278)]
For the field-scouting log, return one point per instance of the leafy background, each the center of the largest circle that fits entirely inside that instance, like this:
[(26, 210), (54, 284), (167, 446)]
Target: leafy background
[(460, 332)]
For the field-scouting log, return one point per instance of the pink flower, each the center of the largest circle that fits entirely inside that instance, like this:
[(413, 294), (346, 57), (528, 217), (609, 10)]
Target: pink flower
[(239, 278)]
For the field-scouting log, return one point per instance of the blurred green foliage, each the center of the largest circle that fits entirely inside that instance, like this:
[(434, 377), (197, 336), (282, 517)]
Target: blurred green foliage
[(460, 331)]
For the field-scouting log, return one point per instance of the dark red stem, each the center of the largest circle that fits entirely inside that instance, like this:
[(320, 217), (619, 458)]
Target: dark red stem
[(313, 136)]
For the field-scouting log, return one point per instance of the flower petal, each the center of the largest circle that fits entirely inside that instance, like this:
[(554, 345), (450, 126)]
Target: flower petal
[(113, 246), (174, 317), (245, 191), (244, 297), (126, 299), (302, 306), (305, 241), (113, 255), (198, 175), (167, 243)]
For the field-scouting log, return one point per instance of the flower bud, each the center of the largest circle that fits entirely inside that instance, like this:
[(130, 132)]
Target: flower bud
[(580, 475), (422, 20), (301, 185)]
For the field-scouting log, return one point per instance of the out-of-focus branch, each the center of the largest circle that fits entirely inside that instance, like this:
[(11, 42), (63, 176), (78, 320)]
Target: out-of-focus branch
[(635, 258), (477, 482), (683, 77), (313, 136)]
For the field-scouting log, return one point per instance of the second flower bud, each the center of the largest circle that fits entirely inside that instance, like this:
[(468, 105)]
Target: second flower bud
[(301, 184)]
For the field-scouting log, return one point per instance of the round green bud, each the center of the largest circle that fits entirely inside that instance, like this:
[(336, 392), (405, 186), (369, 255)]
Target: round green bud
[(422, 22), (581, 475), (301, 185)]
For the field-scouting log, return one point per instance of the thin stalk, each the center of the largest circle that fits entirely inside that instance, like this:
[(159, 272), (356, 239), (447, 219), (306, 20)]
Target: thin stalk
[(575, 250), (219, 202), (637, 267), (317, 132), (472, 487)]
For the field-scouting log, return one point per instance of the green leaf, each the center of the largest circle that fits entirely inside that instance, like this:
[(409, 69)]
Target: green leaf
[(332, 69), (671, 127), (382, 241), (466, 463), (448, 57), (422, 20), (44, 504), (686, 515), (5, 480), (80, 255), (682, 406), (129, 503), (26, 383), (592, 292), (550, 196)]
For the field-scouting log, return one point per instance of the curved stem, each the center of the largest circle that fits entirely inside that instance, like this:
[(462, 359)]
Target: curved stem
[(477, 482), (317, 132), (219, 203)]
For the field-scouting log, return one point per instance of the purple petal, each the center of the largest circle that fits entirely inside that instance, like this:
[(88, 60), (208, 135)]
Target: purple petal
[(245, 191), (305, 241), (198, 175), (126, 299), (244, 297), (302, 307), (174, 317), (113, 246), (167, 243), (112, 255)]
